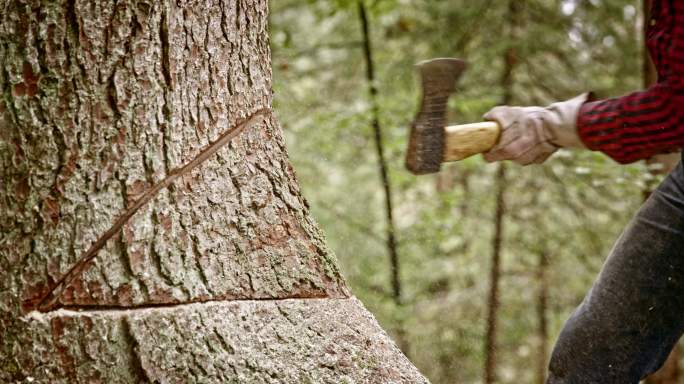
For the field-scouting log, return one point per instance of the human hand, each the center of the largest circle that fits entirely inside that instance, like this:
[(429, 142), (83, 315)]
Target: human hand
[(529, 135)]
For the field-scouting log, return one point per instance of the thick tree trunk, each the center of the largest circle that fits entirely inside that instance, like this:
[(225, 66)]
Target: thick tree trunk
[(152, 229)]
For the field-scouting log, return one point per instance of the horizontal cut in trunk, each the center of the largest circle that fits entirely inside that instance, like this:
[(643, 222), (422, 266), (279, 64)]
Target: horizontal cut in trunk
[(131, 190)]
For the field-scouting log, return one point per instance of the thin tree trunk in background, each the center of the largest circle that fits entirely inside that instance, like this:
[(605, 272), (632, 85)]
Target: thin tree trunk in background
[(147, 232), (542, 309), (380, 150), (670, 372), (650, 76), (446, 182), (490, 376), (463, 210), (383, 168), (494, 278)]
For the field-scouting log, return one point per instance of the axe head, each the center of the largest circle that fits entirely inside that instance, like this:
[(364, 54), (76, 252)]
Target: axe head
[(426, 142)]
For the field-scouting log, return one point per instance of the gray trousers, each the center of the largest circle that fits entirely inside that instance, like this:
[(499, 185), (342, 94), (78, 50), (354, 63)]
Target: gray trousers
[(633, 316)]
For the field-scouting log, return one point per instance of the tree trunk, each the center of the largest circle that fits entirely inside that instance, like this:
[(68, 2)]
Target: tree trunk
[(543, 323), (152, 229), (490, 367), (650, 76), (391, 239), (382, 161)]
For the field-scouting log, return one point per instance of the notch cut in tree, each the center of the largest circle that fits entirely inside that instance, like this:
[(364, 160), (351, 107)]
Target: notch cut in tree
[(149, 234)]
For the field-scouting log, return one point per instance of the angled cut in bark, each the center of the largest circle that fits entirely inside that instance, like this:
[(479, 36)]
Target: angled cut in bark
[(151, 227)]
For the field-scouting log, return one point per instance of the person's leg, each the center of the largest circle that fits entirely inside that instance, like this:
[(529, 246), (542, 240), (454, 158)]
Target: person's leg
[(634, 314)]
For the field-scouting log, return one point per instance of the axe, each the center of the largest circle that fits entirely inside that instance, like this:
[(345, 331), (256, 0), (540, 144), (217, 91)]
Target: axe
[(432, 142)]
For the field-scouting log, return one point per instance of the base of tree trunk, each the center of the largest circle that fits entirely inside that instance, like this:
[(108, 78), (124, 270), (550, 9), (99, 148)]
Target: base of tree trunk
[(278, 341), (132, 188)]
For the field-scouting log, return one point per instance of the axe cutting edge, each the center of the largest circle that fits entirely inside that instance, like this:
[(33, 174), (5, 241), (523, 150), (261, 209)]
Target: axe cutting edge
[(431, 141)]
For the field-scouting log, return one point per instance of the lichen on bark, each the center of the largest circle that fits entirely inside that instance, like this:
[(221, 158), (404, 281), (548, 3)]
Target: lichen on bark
[(103, 100)]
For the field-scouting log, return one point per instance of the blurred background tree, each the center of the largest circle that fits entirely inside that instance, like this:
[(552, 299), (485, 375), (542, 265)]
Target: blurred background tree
[(560, 219)]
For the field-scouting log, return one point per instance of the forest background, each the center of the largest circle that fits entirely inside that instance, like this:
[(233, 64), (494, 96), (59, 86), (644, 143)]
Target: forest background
[(477, 268)]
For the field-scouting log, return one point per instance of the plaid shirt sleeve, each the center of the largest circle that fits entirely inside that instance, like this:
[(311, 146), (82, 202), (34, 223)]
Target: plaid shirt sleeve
[(643, 124)]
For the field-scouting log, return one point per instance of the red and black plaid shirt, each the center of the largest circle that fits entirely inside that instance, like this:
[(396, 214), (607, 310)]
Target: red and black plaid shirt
[(647, 123)]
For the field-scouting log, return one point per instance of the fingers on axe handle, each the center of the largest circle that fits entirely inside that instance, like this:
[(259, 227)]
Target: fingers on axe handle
[(426, 141)]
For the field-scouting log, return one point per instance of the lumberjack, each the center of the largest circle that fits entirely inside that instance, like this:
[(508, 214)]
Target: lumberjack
[(634, 314)]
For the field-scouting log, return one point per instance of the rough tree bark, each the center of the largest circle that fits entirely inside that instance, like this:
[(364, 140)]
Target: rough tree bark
[(151, 227)]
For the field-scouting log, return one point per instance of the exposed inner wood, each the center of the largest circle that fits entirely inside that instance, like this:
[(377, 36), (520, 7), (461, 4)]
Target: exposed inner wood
[(75, 311)]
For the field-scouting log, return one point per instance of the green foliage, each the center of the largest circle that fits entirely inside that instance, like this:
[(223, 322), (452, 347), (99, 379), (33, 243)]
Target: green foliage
[(572, 208)]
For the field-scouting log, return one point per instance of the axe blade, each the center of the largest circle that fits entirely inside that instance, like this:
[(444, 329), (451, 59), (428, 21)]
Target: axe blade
[(426, 142)]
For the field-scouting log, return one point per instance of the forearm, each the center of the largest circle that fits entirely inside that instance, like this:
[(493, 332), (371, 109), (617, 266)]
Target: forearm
[(636, 126)]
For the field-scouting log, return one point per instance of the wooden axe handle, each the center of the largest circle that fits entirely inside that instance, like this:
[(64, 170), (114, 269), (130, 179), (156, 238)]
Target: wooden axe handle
[(463, 141)]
